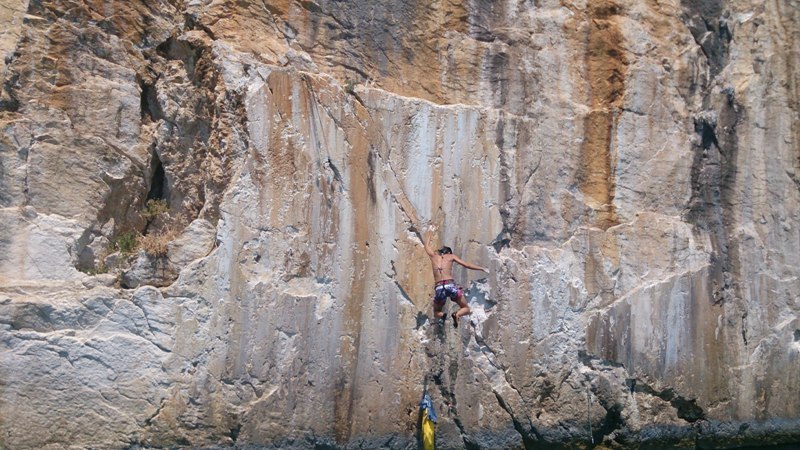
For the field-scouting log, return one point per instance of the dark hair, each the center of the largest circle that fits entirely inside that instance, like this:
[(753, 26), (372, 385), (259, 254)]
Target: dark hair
[(445, 251)]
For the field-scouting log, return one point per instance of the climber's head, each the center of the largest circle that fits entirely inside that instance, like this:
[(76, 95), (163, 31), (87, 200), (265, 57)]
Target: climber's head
[(444, 251)]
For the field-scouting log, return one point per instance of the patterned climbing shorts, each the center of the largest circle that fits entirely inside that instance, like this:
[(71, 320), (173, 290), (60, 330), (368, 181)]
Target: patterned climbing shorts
[(446, 289)]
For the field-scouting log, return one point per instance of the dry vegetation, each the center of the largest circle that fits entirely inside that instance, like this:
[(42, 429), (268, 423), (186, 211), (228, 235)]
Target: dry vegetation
[(154, 243), (157, 244)]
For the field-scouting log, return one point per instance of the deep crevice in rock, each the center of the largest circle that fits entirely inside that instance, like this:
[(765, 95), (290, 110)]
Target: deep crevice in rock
[(149, 106), (201, 127), (158, 180)]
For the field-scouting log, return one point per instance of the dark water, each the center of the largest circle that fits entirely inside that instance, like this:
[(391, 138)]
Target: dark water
[(770, 447)]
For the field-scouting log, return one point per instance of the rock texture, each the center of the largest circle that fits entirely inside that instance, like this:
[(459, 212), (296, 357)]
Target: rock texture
[(211, 217)]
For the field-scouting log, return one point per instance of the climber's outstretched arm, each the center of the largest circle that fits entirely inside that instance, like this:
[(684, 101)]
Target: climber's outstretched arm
[(468, 265)]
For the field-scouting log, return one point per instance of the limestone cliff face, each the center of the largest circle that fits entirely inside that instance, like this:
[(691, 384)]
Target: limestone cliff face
[(211, 216)]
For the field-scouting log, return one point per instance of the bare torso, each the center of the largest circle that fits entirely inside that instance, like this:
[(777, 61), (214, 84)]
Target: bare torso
[(442, 266)]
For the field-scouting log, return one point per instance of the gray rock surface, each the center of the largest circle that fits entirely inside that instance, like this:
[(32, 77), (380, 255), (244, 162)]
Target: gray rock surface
[(627, 171), (196, 242)]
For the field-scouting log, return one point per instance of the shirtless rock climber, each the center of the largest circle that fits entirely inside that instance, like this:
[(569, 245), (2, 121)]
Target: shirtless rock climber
[(442, 264)]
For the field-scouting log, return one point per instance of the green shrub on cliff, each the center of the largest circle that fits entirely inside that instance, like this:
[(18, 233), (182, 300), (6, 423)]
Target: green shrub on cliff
[(155, 208), (126, 242)]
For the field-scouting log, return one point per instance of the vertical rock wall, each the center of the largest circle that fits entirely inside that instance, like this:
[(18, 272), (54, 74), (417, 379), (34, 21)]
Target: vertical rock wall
[(627, 171)]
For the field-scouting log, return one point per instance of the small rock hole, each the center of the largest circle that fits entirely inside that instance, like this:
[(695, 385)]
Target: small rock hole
[(234, 432), (707, 134), (178, 50)]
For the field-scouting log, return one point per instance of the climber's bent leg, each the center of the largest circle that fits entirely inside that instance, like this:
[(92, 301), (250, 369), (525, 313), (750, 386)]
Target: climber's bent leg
[(463, 311)]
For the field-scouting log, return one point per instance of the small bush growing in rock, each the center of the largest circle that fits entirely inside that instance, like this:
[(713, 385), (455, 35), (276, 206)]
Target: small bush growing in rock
[(157, 244), (350, 86), (154, 243), (126, 242), (155, 208)]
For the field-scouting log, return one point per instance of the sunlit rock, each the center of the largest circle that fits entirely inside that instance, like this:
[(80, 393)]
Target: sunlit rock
[(212, 216)]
